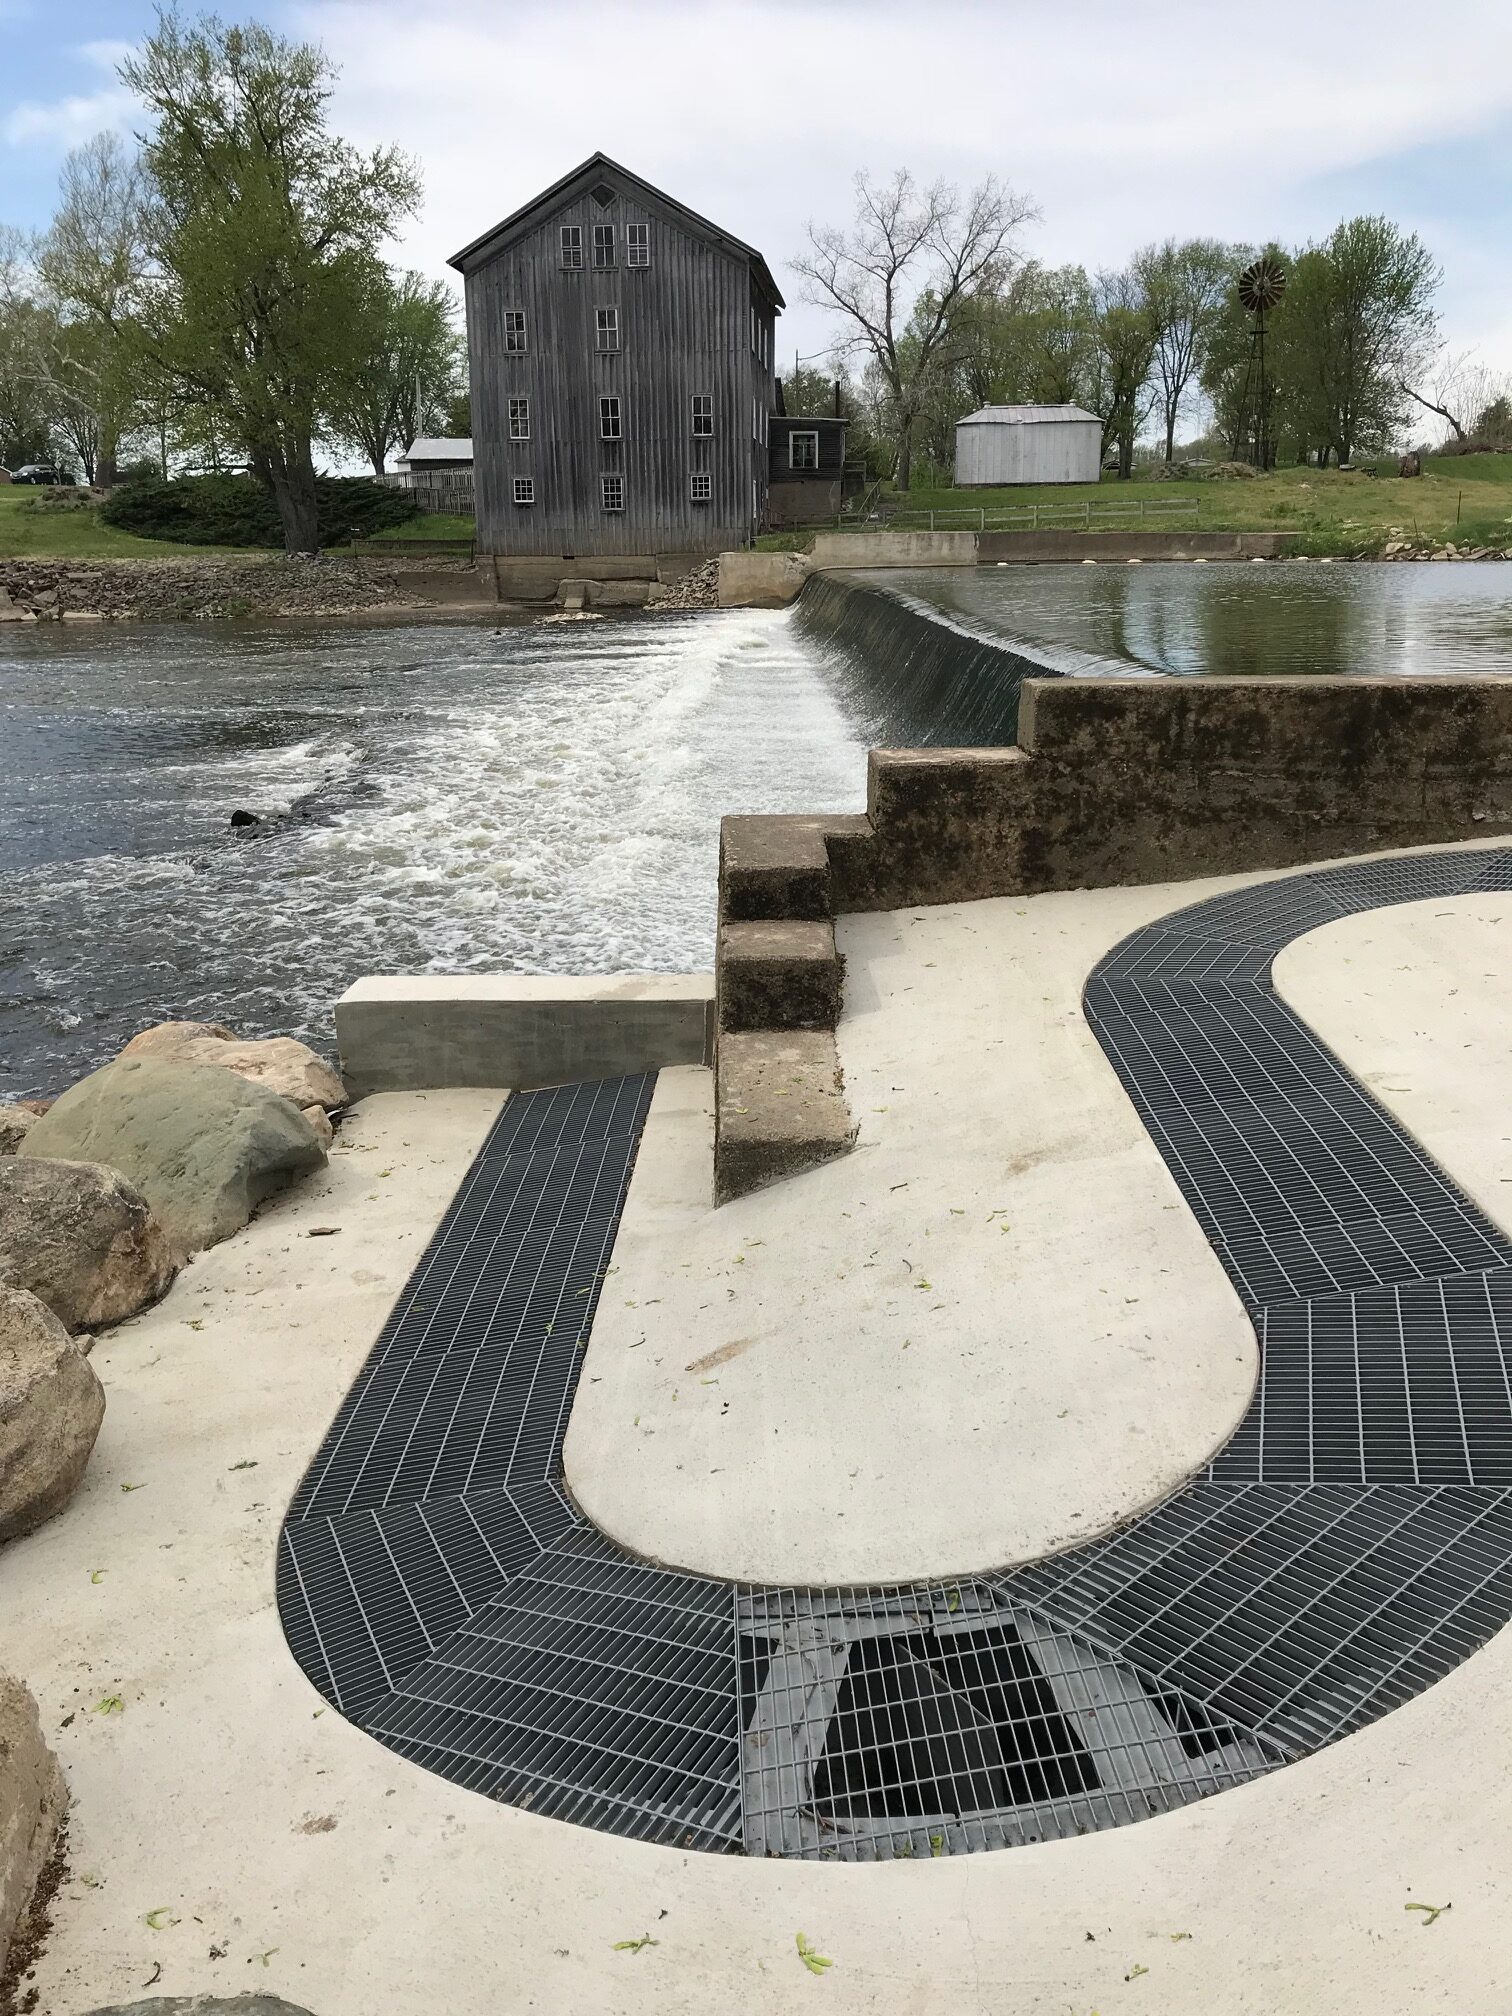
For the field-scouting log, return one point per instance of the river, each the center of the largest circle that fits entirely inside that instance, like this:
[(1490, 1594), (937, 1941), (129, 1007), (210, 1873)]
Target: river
[(435, 798), (539, 797)]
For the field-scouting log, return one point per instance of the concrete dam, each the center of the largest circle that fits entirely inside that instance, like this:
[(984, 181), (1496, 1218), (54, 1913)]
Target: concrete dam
[(917, 676)]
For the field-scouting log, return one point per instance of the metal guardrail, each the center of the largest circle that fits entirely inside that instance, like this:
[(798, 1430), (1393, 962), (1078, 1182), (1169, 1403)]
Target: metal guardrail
[(1011, 518), (416, 549)]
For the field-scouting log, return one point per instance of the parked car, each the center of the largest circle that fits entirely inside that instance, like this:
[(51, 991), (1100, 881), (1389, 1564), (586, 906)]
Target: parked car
[(41, 472)]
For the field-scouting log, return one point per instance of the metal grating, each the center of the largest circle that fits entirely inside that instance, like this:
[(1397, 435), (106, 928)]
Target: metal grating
[(1350, 1544)]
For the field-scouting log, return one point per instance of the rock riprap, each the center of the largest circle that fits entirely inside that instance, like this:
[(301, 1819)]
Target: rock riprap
[(281, 1063), (78, 1235), (16, 1122), (203, 1145), (33, 1800), (51, 1407)]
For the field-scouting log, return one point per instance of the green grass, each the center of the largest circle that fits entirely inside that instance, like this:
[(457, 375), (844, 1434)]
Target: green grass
[(1467, 498), (429, 525), (80, 535)]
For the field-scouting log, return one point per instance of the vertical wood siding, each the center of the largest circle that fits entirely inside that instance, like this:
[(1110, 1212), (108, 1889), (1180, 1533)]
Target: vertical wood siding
[(685, 328)]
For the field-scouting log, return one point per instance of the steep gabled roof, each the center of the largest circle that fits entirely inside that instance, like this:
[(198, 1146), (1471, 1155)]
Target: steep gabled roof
[(523, 219)]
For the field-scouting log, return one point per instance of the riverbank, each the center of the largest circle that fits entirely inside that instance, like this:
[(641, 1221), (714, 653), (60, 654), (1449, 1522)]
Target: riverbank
[(193, 589)]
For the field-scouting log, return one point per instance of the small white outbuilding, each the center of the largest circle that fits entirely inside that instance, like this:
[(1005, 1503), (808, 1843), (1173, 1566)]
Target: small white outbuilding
[(1028, 444)]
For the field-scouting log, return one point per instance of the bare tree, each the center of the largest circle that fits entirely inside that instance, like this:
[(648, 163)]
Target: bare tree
[(1456, 387), (901, 273)]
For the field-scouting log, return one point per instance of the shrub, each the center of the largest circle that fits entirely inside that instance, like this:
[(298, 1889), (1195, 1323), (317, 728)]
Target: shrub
[(235, 511)]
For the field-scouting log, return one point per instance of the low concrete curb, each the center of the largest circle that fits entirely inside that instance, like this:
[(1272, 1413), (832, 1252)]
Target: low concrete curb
[(414, 1034)]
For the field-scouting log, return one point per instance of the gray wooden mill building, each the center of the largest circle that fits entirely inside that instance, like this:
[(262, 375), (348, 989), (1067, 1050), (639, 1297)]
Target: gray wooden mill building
[(621, 356)]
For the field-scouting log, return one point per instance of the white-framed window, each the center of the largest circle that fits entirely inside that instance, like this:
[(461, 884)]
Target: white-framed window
[(514, 332), (609, 418), (524, 489), (519, 419), (608, 328), (700, 486), (572, 247), (637, 244), (803, 449), (603, 244), (614, 491), (703, 413), (755, 331)]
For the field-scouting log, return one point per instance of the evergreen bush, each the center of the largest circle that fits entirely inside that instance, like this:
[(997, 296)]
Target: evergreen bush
[(236, 511)]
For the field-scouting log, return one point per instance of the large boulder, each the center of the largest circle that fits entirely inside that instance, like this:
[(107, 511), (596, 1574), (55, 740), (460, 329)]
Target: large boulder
[(33, 1800), (204, 1147), (51, 1407), (203, 2005), (15, 1123), (80, 1237), (279, 1062)]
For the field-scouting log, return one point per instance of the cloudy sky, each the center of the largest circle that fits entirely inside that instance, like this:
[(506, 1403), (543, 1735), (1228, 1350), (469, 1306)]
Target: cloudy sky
[(1125, 119)]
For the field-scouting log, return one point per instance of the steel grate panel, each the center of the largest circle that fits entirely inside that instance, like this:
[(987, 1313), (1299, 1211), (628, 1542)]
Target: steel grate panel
[(1349, 1545)]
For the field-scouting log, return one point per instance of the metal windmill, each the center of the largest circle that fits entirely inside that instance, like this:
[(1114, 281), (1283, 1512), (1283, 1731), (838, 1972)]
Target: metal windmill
[(1261, 286)]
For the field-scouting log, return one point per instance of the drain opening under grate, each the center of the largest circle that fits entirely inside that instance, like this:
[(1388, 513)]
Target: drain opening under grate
[(934, 1725)]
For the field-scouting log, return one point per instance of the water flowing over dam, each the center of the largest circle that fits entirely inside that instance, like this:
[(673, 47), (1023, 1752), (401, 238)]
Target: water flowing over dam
[(917, 676)]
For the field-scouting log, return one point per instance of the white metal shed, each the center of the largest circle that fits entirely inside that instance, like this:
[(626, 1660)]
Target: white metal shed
[(1028, 444)]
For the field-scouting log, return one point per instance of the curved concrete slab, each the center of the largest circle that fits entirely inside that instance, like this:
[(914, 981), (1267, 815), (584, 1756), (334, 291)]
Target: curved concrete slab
[(992, 1332), (1417, 1001)]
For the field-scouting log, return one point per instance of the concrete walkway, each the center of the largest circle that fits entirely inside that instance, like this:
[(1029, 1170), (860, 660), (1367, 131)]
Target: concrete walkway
[(1416, 1002), (232, 1834), (992, 1332)]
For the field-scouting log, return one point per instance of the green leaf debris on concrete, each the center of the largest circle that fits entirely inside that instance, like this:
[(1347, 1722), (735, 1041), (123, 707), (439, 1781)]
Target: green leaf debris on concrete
[(109, 1704), (1431, 1912), (635, 1945), (815, 1962)]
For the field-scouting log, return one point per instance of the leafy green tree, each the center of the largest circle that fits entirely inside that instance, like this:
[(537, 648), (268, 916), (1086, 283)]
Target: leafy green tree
[(1356, 317), (403, 378), (1184, 285), (26, 417), (1125, 332), (91, 263), (263, 229)]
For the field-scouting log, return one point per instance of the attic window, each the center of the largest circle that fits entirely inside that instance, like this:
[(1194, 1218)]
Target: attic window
[(603, 195), (603, 245), (572, 247), (637, 245)]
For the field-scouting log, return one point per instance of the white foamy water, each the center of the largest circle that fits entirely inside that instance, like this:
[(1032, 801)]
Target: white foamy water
[(544, 798)]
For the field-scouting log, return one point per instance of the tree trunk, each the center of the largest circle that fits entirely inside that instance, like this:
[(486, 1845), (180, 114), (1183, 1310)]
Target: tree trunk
[(905, 453), (289, 475), (1170, 435), (105, 465)]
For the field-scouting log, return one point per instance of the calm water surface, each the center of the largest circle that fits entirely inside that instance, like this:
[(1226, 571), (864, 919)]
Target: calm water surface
[(1286, 617), (544, 798)]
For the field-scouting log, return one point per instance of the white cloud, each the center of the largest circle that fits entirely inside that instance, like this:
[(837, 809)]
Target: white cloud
[(61, 123), (1126, 123)]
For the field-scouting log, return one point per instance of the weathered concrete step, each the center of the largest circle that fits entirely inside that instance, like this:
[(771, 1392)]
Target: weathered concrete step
[(778, 974), (775, 866), (779, 1108)]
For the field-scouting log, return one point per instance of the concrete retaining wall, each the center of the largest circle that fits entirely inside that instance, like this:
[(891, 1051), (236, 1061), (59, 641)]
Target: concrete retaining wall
[(895, 549), (761, 580), (1148, 780), (994, 548), (400, 1035)]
